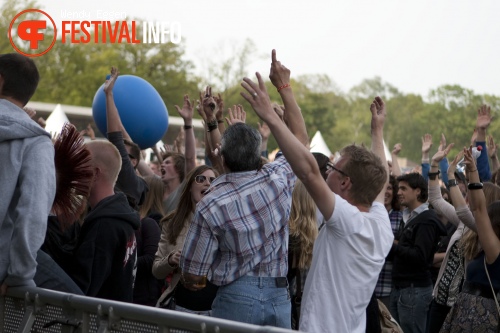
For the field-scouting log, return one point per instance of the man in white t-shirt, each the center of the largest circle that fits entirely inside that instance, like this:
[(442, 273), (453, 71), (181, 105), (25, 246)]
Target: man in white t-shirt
[(357, 236)]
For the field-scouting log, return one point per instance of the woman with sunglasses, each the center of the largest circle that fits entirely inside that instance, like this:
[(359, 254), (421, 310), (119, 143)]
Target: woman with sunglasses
[(174, 229)]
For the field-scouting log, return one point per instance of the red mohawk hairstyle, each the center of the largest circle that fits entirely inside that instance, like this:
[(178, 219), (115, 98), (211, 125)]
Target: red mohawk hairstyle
[(73, 175)]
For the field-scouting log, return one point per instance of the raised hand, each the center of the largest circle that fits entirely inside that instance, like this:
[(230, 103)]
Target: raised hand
[(264, 131), (397, 149), (201, 112), (110, 83), (187, 109), (258, 98), (208, 104), (484, 117), (40, 121), (426, 143), (220, 107), (279, 74), (30, 112), (236, 115), (453, 165), (473, 137), (378, 113), (491, 147), (470, 163), (280, 110), (443, 150)]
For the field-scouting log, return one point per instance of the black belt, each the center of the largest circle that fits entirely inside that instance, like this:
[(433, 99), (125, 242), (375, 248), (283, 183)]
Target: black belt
[(477, 289), (278, 282), (281, 282)]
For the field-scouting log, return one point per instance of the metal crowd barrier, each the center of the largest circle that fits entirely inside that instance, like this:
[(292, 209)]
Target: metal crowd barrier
[(45, 311)]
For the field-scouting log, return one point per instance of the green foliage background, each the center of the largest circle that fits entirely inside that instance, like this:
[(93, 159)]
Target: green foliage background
[(71, 74)]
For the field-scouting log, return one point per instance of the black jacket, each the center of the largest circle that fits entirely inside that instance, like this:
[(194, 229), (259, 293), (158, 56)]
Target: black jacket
[(414, 254), (105, 256)]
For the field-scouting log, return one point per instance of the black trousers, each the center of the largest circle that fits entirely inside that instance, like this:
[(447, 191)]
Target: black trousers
[(437, 316)]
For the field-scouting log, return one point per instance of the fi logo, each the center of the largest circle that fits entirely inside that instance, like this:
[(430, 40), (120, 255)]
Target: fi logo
[(28, 31)]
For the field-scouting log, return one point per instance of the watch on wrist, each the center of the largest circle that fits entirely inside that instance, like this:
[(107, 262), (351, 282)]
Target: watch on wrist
[(433, 175), (452, 182), (475, 186)]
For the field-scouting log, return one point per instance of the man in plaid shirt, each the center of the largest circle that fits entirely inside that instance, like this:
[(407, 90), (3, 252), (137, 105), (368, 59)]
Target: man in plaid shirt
[(391, 203), (239, 233)]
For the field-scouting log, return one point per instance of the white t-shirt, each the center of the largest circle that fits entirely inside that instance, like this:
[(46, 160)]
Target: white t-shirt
[(348, 256)]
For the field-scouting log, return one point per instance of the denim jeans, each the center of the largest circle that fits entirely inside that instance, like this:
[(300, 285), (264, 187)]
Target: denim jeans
[(409, 306), (254, 300), (50, 275)]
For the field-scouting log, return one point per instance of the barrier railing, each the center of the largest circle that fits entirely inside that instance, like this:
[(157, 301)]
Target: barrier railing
[(41, 310)]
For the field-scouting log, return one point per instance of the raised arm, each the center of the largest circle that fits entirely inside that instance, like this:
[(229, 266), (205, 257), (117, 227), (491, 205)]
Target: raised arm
[(492, 152), (113, 121), (396, 169), (461, 207), (208, 107), (426, 147), (379, 113), (280, 78), (190, 145), (265, 132), (301, 160), (487, 237), (483, 121), (219, 114), (435, 197), (128, 181)]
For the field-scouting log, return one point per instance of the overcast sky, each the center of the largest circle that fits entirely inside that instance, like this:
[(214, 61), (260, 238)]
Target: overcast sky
[(414, 45)]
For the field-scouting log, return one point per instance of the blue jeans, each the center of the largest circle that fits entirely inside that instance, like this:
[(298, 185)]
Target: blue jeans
[(409, 306), (50, 275), (254, 300)]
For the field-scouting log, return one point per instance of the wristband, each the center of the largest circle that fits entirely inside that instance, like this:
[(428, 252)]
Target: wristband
[(452, 182), (284, 86), (433, 175), (212, 125), (186, 127), (220, 121), (475, 186)]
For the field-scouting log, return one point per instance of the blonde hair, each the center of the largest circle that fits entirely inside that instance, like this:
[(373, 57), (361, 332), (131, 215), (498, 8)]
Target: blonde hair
[(470, 240), (107, 158), (303, 226), (153, 202)]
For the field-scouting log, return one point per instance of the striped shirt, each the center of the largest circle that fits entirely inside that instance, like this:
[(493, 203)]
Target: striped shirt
[(241, 226)]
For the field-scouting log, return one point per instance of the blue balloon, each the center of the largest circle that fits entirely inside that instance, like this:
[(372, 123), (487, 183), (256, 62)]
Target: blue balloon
[(142, 111)]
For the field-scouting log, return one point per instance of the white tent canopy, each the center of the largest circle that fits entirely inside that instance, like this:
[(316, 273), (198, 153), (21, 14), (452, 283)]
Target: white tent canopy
[(318, 145), (56, 120), (388, 155)]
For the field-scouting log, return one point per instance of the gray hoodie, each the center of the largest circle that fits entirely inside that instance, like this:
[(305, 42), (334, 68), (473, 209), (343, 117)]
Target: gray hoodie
[(27, 189)]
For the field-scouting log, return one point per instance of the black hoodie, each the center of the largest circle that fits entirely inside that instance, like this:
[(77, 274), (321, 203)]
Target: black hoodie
[(106, 252), (414, 253)]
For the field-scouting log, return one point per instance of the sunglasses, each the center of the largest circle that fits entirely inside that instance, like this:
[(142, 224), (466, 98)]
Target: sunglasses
[(200, 179), (330, 166)]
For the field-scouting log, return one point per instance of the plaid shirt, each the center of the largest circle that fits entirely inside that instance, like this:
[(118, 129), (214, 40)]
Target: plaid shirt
[(241, 226), (384, 283)]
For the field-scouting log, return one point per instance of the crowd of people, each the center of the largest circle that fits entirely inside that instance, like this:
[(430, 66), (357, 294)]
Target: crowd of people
[(304, 241)]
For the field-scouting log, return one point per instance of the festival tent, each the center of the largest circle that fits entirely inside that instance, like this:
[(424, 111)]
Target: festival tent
[(56, 120), (318, 145)]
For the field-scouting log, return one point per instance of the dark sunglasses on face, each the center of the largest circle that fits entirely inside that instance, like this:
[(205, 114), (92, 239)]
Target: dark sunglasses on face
[(200, 179)]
